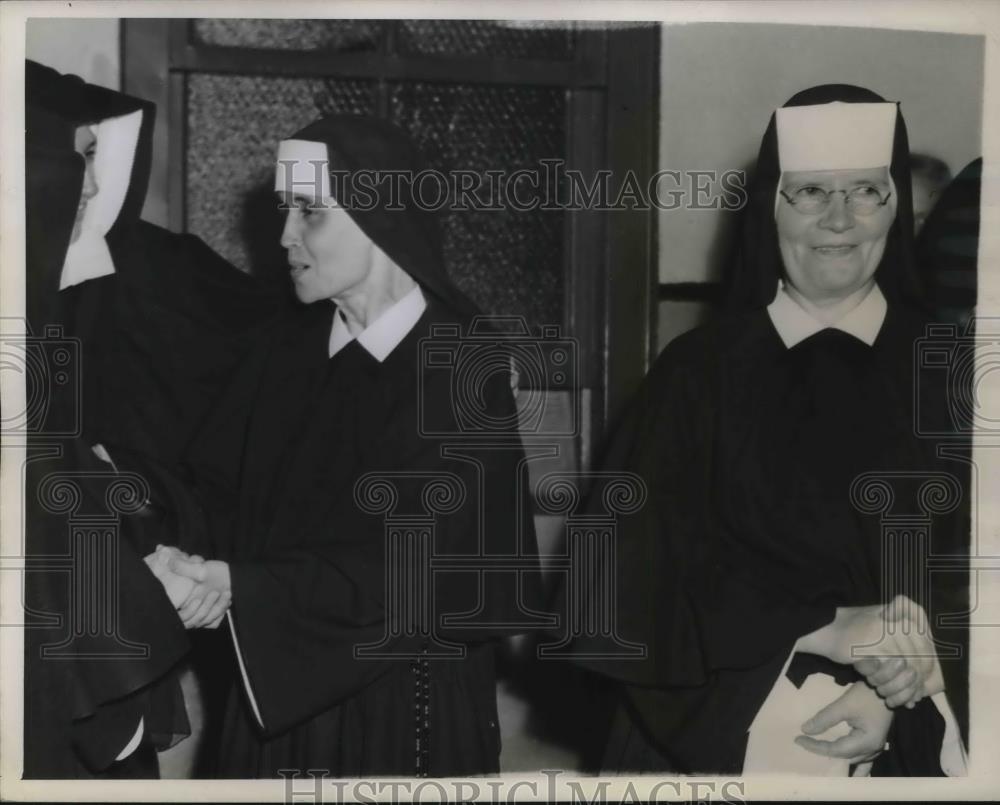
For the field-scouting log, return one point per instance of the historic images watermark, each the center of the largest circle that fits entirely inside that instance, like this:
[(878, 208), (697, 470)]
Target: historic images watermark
[(948, 409), (550, 185), (550, 785), (68, 554), (495, 448), (49, 366), (904, 505), (928, 520)]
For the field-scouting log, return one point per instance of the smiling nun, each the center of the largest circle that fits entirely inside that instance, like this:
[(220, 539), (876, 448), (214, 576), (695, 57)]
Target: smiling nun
[(751, 571)]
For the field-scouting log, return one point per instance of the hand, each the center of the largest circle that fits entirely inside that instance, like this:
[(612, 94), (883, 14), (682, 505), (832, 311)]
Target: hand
[(866, 715), (211, 596), (899, 683), (177, 588), (889, 645), (904, 679)]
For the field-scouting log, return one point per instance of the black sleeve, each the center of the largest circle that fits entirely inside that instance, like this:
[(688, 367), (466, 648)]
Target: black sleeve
[(696, 611), (301, 613)]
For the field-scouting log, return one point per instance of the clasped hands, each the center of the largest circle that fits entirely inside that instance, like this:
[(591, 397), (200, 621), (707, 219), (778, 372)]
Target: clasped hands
[(199, 589), (892, 648)]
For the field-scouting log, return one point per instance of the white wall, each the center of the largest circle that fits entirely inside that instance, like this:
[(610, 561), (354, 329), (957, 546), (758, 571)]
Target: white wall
[(721, 81), (88, 48)]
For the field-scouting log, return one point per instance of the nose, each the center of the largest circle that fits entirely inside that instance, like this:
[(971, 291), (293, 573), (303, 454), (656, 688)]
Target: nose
[(90, 187), (290, 232), (838, 216)]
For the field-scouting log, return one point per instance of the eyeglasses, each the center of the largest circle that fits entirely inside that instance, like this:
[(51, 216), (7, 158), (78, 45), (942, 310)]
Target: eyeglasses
[(812, 200)]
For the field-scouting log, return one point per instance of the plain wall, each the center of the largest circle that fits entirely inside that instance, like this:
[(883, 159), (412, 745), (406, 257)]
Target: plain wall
[(720, 82), (88, 48)]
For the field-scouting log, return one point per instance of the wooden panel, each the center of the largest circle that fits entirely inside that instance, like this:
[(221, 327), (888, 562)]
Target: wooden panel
[(475, 70), (694, 291), (633, 116)]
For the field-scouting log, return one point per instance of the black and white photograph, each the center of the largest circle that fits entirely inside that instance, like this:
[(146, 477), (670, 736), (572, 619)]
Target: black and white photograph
[(493, 402)]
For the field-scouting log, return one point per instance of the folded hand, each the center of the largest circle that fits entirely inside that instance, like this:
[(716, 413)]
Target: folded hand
[(891, 646), (178, 588), (211, 594), (899, 661)]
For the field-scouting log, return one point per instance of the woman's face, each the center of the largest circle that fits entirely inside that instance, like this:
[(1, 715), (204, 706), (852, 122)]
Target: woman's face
[(328, 253), (831, 254), (85, 143)]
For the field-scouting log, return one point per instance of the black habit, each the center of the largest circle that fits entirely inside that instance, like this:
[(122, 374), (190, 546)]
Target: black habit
[(754, 532), (151, 345), (280, 466)]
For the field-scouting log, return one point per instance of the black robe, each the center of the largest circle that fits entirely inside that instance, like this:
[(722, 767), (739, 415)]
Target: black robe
[(948, 247), (750, 537), (85, 689), (280, 463), (151, 346)]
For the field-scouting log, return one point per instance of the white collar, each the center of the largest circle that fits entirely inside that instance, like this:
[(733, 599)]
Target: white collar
[(795, 324), (88, 257), (383, 335)]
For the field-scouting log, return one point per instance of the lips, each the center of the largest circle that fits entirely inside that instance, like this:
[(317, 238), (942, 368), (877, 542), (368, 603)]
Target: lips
[(298, 269), (835, 250)]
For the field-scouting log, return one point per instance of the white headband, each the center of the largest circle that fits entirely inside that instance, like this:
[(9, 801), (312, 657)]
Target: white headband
[(88, 257), (302, 169), (835, 136)]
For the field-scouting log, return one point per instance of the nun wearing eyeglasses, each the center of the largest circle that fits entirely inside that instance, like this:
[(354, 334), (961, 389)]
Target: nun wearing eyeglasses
[(781, 632)]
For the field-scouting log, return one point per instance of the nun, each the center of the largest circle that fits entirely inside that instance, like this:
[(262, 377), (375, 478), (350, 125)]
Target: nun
[(333, 403), (92, 710), (162, 319), (158, 322), (754, 574)]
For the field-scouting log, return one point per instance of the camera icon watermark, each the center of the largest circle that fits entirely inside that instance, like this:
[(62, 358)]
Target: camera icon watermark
[(466, 369), (49, 365), (956, 371)]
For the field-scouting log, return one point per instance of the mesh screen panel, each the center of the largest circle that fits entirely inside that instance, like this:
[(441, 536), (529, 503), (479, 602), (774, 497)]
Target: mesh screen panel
[(339, 35), (509, 262), (234, 125), (483, 38)]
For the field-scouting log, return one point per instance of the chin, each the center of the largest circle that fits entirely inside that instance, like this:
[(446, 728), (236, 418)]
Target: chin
[(305, 295), (308, 299), (838, 278)]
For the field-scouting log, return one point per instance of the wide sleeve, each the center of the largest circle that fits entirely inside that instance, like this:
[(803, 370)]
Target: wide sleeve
[(696, 610), (207, 477), (339, 604), (87, 683)]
